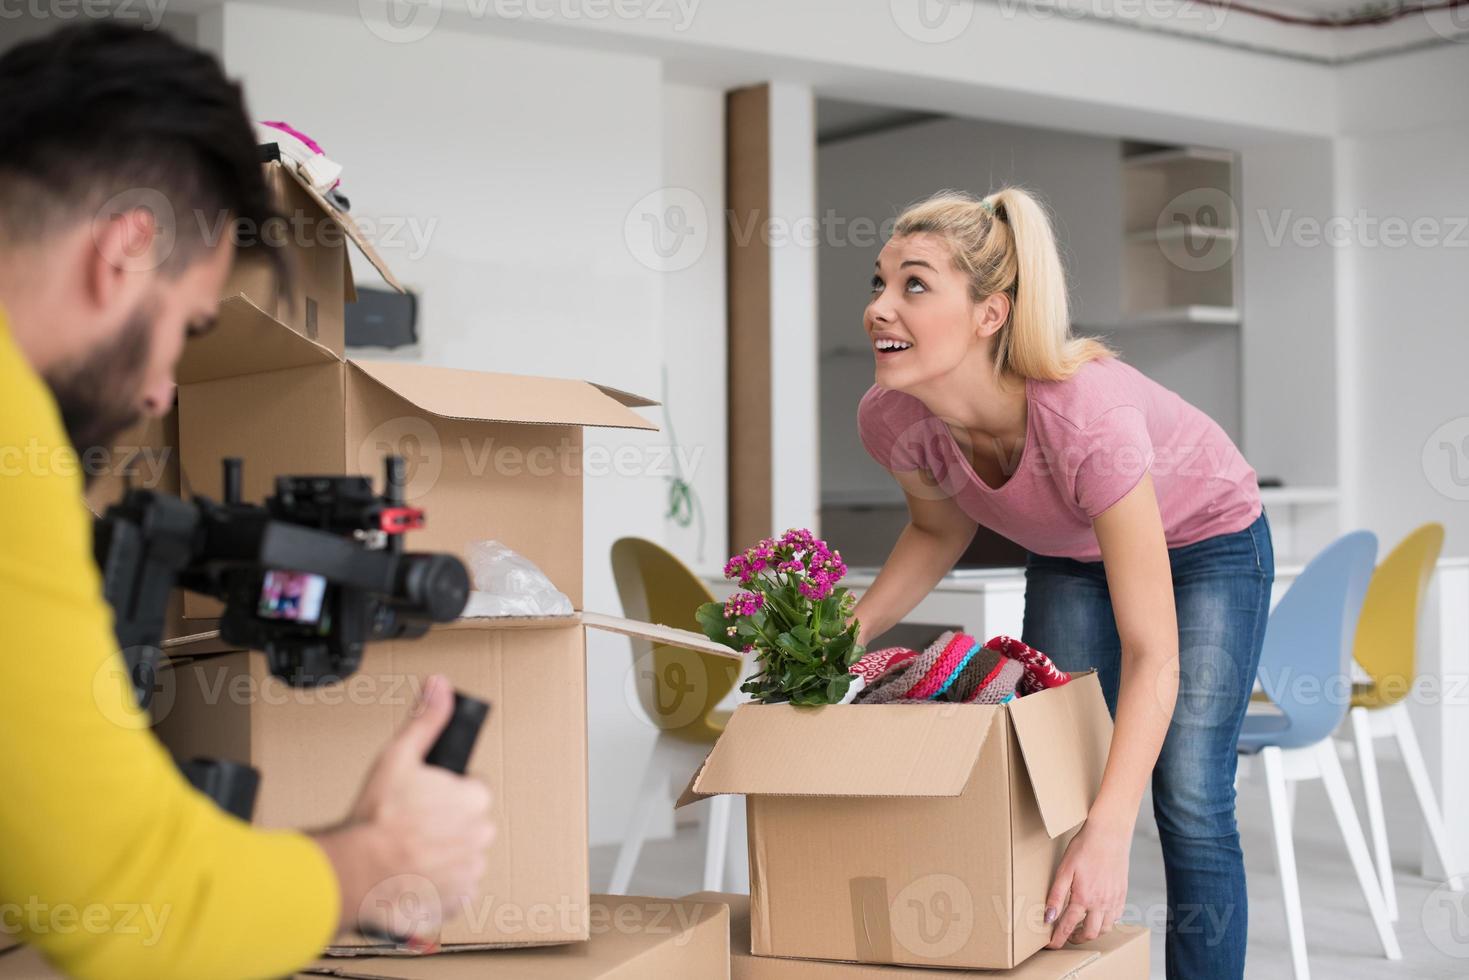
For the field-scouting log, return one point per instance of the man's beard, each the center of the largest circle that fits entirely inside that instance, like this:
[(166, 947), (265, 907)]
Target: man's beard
[(99, 394)]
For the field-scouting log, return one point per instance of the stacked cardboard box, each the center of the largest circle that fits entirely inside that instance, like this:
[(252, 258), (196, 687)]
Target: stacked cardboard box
[(490, 456)]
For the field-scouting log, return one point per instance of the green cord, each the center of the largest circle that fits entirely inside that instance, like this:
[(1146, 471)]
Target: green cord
[(683, 502)]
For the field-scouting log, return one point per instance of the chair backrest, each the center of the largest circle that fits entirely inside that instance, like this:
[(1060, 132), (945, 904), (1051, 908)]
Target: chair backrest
[(1387, 634), (676, 687), (1305, 664)]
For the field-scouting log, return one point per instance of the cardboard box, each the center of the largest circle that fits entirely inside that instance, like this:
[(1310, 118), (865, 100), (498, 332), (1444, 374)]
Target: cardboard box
[(488, 455), (146, 458), (631, 939), (914, 834), (312, 234), (1120, 955), (313, 747)]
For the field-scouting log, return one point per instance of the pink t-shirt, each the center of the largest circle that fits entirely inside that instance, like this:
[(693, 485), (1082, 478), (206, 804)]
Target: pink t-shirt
[(1088, 441)]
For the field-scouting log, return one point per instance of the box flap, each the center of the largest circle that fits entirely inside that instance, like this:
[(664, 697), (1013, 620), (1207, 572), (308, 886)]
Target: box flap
[(491, 397), (847, 750), (350, 227), (247, 340), (625, 397), (667, 635), (1064, 735), (509, 622)]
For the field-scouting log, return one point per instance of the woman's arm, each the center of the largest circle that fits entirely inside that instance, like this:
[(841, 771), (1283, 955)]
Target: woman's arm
[(1091, 883), (938, 531)]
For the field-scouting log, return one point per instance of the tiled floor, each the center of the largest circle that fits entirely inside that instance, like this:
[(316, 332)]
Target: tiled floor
[(1339, 935)]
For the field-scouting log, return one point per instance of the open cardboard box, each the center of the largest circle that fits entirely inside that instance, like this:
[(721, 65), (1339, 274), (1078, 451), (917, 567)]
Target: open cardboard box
[(1120, 955), (489, 456), (920, 834), (313, 238), (313, 747)]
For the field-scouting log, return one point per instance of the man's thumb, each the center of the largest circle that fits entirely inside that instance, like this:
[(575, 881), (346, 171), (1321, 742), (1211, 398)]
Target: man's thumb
[(418, 734)]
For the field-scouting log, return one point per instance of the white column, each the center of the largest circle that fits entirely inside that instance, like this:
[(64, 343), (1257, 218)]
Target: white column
[(794, 230)]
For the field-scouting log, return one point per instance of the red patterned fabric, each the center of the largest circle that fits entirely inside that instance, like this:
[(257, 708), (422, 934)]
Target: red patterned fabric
[(875, 663), (1040, 672)]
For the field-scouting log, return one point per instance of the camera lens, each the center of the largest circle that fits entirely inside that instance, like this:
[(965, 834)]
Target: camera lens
[(434, 586)]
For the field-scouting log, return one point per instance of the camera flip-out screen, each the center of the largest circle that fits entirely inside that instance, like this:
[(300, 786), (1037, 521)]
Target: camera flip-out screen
[(293, 596)]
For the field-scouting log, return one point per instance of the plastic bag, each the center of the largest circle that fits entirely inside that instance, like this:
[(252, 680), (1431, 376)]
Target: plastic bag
[(507, 583)]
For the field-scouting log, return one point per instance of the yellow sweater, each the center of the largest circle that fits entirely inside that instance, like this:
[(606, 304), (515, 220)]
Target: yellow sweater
[(110, 863)]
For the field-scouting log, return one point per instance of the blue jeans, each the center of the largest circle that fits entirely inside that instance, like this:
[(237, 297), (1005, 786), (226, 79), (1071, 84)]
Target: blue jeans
[(1221, 590)]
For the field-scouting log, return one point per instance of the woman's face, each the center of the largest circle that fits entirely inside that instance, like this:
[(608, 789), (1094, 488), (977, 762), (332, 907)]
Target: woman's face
[(919, 319)]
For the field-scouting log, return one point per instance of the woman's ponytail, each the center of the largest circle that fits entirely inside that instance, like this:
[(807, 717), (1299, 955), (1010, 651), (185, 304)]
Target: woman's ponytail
[(1004, 243)]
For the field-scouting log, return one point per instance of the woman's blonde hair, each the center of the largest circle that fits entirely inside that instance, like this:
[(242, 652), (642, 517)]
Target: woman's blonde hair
[(1003, 243)]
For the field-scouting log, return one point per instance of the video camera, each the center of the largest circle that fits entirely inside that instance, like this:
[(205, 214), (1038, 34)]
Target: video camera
[(308, 578)]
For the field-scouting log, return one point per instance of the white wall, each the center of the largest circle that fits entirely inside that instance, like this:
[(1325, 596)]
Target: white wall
[(1405, 313), (1289, 312), (23, 22), (694, 322), (522, 163)]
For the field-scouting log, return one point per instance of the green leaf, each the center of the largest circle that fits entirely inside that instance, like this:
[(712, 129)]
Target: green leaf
[(839, 647), (711, 617), (796, 649), (836, 688)]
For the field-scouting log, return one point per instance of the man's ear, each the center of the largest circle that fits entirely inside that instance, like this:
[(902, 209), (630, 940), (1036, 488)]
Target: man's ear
[(990, 314), (123, 260)]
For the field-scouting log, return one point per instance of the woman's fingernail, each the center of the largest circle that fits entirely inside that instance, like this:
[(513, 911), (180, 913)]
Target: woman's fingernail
[(1050, 915)]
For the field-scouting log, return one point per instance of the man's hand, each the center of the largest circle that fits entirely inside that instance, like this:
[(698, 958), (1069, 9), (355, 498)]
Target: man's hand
[(412, 851)]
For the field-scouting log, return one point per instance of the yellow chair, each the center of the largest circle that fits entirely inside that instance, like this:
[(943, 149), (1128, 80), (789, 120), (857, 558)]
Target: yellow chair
[(1386, 648), (680, 691)]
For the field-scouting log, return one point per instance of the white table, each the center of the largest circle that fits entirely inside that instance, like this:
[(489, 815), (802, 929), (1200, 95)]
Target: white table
[(988, 602)]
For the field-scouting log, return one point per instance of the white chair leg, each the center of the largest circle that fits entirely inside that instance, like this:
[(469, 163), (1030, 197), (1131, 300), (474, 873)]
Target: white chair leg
[(1285, 857), (1351, 830), (652, 792), (1372, 793), (1423, 789), (1290, 802), (716, 842)]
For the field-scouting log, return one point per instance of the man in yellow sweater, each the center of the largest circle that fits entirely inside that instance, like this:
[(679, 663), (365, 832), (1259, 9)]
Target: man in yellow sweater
[(118, 150)]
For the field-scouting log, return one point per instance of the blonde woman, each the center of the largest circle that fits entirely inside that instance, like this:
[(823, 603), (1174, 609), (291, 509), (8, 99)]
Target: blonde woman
[(1149, 552)]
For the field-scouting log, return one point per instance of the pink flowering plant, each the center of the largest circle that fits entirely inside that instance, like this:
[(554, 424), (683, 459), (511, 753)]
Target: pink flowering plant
[(792, 615)]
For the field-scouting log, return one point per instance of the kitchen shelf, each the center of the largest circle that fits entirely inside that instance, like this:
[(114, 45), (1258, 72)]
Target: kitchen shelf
[(1226, 315), (1149, 235), (1284, 496)]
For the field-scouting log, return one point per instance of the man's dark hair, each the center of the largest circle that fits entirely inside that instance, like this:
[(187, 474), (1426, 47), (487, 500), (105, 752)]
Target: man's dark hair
[(99, 110)]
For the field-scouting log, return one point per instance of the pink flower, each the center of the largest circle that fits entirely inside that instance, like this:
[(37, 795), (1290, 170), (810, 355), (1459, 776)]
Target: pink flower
[(743, 604)]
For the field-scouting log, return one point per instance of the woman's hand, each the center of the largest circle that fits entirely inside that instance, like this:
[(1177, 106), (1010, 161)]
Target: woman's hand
[(1091, 884)]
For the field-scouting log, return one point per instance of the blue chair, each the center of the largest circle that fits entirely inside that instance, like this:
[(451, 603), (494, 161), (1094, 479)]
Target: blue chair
[(1305, 669)]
